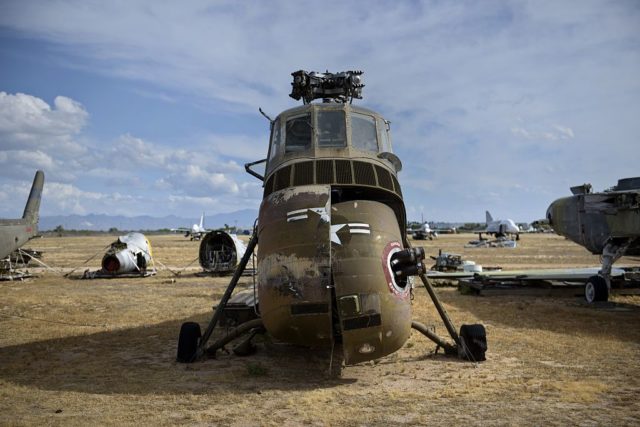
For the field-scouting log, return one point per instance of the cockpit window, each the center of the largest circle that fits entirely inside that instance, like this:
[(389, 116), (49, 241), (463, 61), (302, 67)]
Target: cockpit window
[(385, 138), (331, 129), (276, 139), (363, 132), (298, 133)]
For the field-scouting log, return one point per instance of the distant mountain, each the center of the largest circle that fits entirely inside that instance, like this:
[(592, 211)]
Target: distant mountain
[(243, 218)]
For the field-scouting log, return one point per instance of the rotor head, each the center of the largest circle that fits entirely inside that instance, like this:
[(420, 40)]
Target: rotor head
[(336, 87)]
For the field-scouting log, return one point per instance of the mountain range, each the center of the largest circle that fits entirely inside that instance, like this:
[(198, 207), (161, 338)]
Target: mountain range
[(243, 219)]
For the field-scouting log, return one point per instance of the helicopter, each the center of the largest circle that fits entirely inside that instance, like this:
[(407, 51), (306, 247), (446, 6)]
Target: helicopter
[(606, 223), (335, 268)]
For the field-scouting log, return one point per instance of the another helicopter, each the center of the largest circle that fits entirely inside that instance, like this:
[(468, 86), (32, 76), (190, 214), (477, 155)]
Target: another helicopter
[(606, 223), (334, 262)]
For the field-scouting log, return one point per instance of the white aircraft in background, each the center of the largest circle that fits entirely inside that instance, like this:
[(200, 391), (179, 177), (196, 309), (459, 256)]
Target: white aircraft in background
[(424, 232), (499, 227), (196, 231)]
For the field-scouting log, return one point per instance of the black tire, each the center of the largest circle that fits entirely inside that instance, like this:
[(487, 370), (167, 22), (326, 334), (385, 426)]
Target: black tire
[(474, 342), (596, 289), (188, 342)]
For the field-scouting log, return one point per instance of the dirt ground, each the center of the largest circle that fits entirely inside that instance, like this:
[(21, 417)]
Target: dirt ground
[(82, 352)]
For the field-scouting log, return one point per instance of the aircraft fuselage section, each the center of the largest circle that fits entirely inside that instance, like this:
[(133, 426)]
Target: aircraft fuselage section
[(14, 234), (591, 220)]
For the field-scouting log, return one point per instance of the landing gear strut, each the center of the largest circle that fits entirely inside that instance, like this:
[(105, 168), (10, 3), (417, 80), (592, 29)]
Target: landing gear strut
[(598, 287), (192, 347), (470, 344)]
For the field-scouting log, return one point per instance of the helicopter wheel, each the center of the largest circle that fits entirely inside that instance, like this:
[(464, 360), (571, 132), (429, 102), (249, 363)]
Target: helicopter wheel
[(188, 342), (474, 342), (596, 289)]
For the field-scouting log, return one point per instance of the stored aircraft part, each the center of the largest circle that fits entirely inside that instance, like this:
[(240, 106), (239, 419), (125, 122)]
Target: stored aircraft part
[(449, 263), (606, 223), (20, 258), (500, 242), (548, 282), (130, 253), (220, 252), (16, 232)]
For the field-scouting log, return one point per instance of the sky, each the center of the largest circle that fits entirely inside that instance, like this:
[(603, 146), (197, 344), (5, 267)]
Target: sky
[(151, 107)]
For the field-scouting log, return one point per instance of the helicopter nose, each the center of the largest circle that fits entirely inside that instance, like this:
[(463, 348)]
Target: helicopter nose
[(550, 214)]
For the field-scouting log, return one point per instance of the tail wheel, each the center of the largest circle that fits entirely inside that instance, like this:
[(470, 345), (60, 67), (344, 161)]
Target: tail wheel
[(596, 289), (188, 342), (474, 342)]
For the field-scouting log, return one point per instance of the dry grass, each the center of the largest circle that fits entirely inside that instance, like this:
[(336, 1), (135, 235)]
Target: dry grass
[(102, 351)]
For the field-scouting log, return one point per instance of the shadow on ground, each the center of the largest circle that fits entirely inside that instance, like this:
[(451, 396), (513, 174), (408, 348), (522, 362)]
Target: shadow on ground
[(141, 360)]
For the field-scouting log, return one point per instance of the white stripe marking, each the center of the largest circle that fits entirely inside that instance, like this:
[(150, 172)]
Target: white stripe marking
[(357, 224), (297, 218), (299, 211), (359, 231)]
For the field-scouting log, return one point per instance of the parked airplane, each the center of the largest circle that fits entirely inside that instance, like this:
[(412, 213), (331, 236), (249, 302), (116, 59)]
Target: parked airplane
[(16, 232), (424, 232), (499, 227), (196, 231)]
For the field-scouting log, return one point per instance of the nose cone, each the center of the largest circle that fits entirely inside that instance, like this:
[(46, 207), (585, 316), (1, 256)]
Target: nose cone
[(550, 215), (562, 217)]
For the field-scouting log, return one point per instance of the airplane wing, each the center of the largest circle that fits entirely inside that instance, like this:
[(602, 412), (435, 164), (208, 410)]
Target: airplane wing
[(551, 274)]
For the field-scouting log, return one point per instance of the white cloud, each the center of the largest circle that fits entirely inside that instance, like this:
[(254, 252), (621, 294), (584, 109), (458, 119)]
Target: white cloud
[(45, 138), (70, 199), (557, 133), (29, 122), (454, 78)]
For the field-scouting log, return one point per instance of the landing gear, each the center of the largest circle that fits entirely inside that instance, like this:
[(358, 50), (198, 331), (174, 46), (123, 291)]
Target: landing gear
[(188, 342), (473, 342), (470, 344), (596, 289), (192, 346)]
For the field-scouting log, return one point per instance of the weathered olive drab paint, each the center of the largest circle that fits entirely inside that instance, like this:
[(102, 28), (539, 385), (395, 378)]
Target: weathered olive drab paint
[(358, 273), (324, 247), (294, 265), (16, 232), (592, 219)]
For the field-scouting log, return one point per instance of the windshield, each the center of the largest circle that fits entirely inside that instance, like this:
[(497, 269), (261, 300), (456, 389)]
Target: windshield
[(363, 132), (331, 129), (276, 139), (298, 133)]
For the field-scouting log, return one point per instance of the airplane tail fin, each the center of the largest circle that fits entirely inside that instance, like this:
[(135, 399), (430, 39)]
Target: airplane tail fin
[(202, 220), (32, 209), (489, 217)]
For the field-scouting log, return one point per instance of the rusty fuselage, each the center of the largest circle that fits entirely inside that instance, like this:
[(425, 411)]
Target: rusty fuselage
[(331, 218), (595, 219)]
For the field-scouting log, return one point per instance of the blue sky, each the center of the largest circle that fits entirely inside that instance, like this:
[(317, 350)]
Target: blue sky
[(151, 107)]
